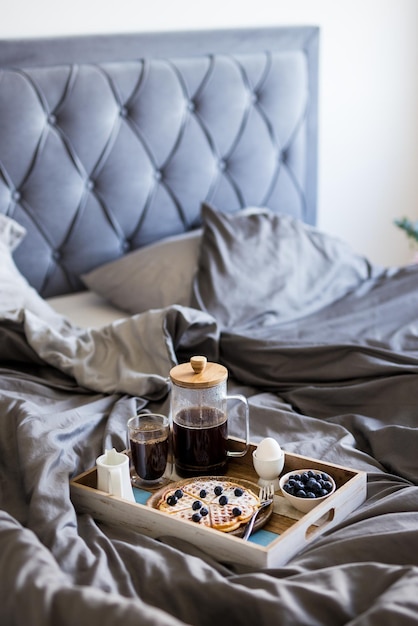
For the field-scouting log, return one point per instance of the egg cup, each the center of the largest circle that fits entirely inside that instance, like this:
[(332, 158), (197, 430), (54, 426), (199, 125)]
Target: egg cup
[(268, 470)]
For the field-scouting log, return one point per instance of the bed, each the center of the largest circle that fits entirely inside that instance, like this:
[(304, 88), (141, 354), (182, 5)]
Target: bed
[(158, 200)]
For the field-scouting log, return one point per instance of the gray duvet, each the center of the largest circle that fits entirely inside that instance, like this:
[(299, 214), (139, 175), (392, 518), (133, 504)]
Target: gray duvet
[(339, 383)]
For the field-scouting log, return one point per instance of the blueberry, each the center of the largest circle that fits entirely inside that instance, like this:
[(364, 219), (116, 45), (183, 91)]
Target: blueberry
[(196, 505), (300, 493), (203, 511), (324, 476), (236, 511), (178, 493), (218, 490), (310, 494), (223, 500), (323, 492), (289, 488), (202, 493), (313, 485), (238, 492), (172, 500), (196, 517), (310, 473), (305, 477), (327, 486)]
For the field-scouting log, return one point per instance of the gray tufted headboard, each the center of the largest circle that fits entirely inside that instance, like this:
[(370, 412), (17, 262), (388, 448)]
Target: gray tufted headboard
[(108, 143)]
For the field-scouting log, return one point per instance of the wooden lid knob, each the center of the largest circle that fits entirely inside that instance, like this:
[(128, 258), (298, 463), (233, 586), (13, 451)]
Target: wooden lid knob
[(198, 363)]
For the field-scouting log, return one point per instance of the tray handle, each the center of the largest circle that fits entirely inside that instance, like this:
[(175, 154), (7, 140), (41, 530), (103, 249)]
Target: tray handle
[(320, 523)]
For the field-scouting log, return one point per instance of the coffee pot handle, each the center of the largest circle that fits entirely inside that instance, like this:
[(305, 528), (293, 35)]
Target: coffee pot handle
[(244, 402)]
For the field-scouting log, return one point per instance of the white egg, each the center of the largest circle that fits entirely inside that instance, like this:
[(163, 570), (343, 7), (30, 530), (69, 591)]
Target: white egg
[(268, 449)]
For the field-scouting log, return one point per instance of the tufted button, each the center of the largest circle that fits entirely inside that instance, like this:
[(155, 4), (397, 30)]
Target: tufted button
[(254, 98), (191, 106), (123, 112), (56, 255), (125, 246), (52, 120), (90, 184), (283, 156), (158, 175), (16, 196), (222, 165)]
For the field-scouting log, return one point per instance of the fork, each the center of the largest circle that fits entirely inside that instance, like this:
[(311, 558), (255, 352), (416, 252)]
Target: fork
[(250, 525), (266, 492), (266, 496)]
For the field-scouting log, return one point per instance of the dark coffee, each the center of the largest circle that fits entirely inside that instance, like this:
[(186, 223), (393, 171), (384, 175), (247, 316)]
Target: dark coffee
[(150, 458), (200, 451)]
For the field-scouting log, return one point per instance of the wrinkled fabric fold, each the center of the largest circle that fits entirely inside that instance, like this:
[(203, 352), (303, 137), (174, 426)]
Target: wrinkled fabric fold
[(67, 394)]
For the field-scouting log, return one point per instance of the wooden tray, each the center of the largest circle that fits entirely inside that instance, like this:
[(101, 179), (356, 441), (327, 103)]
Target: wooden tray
[(286, 533)]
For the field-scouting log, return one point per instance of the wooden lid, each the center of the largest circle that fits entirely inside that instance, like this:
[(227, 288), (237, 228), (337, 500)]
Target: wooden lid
[(198, 373)]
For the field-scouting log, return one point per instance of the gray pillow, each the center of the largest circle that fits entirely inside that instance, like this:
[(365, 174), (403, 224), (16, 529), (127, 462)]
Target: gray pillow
[(263, 268), (15, 291), (152, 277)]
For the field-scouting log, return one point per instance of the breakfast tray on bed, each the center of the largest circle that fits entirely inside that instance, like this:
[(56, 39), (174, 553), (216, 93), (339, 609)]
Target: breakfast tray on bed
[(286, 532)]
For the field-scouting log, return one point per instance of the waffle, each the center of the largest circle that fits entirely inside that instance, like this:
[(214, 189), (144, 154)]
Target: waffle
[(222, 517), (227, 504), (187, 515), (197, 485), (185, 502), (248, 497)]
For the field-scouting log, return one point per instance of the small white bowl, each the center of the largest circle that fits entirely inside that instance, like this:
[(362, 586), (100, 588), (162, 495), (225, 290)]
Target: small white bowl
[(300, 503)]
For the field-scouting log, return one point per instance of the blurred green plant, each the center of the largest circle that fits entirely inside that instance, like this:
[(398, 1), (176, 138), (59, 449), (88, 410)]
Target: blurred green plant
[(410, 229)]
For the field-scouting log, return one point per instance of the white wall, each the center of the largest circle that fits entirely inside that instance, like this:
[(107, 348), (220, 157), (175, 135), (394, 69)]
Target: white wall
[(368, 94)]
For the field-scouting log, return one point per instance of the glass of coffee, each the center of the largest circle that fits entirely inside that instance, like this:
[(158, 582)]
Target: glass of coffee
[(149, 444)]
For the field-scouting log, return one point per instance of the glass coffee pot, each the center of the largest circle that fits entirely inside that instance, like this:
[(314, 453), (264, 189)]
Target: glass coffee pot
[(200, 418)]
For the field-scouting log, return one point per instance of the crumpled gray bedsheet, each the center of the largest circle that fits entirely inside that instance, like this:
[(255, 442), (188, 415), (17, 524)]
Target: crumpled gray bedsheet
[(337, 385)]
